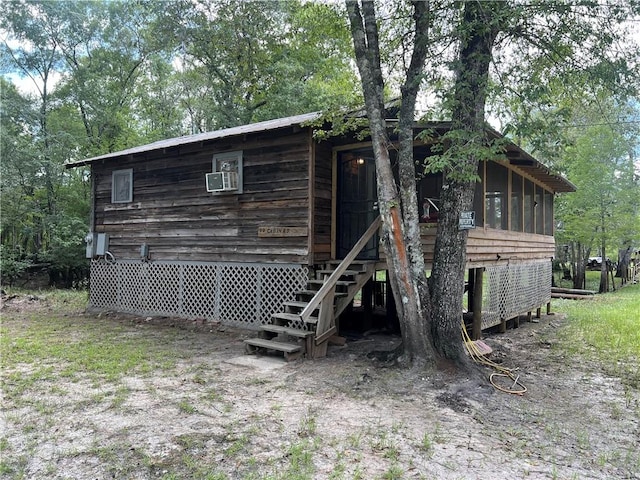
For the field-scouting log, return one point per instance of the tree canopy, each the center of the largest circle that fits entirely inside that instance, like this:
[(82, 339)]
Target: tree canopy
[(602, 215), (97, 77)]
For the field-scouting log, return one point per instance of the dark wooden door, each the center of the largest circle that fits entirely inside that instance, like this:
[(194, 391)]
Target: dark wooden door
[(357, 203)]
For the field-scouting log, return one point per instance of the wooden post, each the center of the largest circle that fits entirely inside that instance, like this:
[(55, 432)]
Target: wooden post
[(470, 288), (367, 305), (549, 308), (390, 304), (476, 329), (325, 314), (529, 315), (538, 312), (613, 281)]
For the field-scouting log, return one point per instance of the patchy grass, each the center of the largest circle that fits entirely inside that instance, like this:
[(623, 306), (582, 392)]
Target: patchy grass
[(592, 280), (57, 301), (106, 397), (68, 347), (46, 345), (606, 328)]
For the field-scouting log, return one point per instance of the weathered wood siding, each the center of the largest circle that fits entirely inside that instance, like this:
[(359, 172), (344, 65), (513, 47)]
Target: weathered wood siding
[(490, 246), (322, 202), (179, 220)]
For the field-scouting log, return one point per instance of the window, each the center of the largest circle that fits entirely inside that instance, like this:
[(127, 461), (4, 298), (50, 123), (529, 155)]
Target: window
[(539, 210), (516, 202), (548, 213), (429, 192), (495, 212), (230, 163), (529, 206), (122, 186), (478, 197)]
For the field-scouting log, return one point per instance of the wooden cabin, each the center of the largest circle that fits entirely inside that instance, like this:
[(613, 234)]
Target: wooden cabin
[(250, 226)]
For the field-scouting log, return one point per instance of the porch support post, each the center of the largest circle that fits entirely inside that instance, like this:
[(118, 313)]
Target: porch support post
[(470, 288), (390, 305), (367, 304), (476, 330)]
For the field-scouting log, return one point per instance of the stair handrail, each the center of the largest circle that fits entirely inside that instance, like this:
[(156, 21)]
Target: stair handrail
[(330, 283)]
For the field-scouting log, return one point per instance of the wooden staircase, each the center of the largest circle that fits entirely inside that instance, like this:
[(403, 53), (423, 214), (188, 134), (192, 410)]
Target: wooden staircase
[(306, 324)]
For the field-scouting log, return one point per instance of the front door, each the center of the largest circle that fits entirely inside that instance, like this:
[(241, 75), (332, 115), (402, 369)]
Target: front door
[(357, 203)]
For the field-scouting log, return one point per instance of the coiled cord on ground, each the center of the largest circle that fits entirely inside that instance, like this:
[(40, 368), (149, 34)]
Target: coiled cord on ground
[(477, 357)]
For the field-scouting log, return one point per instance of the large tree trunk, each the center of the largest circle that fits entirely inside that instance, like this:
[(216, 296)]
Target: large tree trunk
[(604, 270), (415, 331), (622, 269), (478, 30), (427, 332), (579, 256), (406, 278)]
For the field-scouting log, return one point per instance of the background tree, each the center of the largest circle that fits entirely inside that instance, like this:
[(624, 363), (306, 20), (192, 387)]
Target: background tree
[(251, 61), (55, 46), (38, 59), (106, 75), (107, 48), (18, 166), (602, 214)]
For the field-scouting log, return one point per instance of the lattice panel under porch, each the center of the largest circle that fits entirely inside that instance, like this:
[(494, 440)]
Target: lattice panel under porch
[(242, 294), (514, 289)]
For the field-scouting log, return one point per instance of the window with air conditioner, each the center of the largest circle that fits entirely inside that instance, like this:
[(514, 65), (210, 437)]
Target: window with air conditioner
[(226, 175)]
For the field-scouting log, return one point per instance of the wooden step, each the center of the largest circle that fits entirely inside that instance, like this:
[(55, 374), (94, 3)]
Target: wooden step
[(347, 273), (339, 283), (296, 307), (273, 345), (291, 351), (296, 304), (356, 264), (293, 332), (292, 317), (311, 293)]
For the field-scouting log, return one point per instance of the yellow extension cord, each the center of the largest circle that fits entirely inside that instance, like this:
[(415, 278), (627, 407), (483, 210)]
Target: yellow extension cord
[(477, 357)]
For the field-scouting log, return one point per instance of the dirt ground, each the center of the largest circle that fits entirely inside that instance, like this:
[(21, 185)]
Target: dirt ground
[(216, 413)]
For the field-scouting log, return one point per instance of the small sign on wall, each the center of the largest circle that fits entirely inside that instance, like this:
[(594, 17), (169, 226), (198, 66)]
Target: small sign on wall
[(467, 221), (282, 231)]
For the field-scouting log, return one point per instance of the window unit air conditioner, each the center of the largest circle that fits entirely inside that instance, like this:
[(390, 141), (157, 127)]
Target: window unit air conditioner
[(222, 181)]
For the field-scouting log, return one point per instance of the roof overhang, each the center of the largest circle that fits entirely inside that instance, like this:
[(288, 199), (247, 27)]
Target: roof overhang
[(535, 169), (515, 155), (532, 167), (257, 127)]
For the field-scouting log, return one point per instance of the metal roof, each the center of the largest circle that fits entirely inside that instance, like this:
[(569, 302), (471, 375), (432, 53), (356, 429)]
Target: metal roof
[(203, 137), (514, 153), (529, 165), (537, 170), (518, 158)]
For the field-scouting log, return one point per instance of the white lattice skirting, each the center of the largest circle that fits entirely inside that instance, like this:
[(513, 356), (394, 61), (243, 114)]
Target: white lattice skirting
[(514, 289), (241, 294)]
